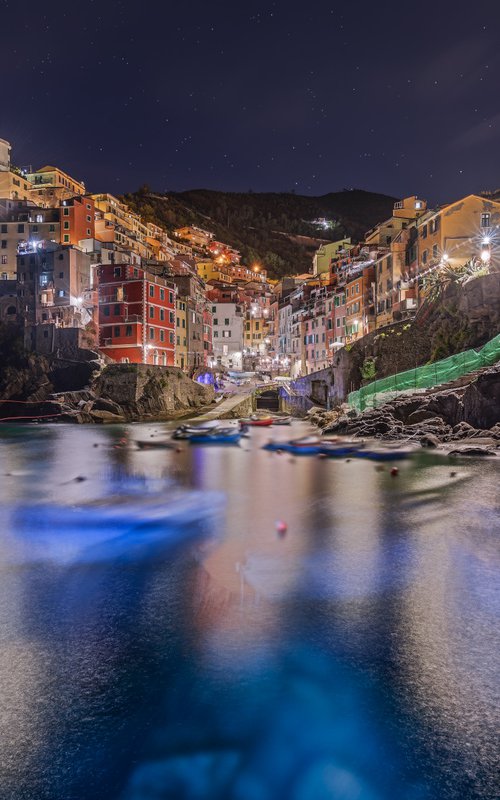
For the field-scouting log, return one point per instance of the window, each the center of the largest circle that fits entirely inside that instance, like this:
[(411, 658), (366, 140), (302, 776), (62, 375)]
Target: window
[(66, 238), (226, 321), (216, 321), (151, 333), (434, 225), (106, 311), (171, 337), (226, 334), (357, 288), (60, 293), (34, 229), (89, 219), (4, 244), (170, 297), (162, 294), (20, 228), (423, 232), (4, 229), (171, 316), (65, 212), (4, 259), (424, 257), (116, 330), (52, 228), (151, 291), (216, 334), (151, 312), (66, 225), (117, 272), (434, 251), (162, 335), (88, 231), (162, 314), (61, 275), (485, 220), (128, 330)]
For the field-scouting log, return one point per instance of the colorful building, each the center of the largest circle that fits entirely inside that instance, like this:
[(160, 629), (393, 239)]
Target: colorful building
[(77, 219), (136, 316)]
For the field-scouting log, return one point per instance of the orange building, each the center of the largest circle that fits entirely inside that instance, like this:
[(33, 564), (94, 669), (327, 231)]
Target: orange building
[(77, 220)]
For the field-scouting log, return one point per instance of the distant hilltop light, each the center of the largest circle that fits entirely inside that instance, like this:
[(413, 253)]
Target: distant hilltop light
[(324, 223)]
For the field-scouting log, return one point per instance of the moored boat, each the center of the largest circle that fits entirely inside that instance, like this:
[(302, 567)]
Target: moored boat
[(216, 436), (257, 422), (185, 431)]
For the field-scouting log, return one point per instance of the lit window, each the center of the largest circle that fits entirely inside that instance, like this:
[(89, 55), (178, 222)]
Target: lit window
[(485, 220)]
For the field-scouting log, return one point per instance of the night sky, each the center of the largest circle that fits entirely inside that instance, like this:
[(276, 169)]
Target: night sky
[(401, 98)]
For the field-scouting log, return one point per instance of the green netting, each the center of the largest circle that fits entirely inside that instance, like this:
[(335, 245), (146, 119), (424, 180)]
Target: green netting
[(449, 369)]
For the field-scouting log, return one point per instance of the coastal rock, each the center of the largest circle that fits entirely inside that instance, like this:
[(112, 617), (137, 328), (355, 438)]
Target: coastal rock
[(472, 451), (420, 415), (430, 440), (481, 400), (105, 416)]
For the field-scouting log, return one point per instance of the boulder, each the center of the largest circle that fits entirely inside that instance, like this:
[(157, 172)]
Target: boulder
[(106, 416), (472, 451), (481, 400), (420, 415), (429, 440)]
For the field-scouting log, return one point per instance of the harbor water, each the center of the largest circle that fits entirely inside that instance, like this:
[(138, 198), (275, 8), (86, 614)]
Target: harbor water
[(229, 623)]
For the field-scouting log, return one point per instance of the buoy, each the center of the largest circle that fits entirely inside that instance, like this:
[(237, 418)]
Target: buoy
[(281, 527), (394, 471)]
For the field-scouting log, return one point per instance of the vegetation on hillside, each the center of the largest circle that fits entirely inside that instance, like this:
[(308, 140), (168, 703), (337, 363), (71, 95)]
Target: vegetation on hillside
[(266, 227)]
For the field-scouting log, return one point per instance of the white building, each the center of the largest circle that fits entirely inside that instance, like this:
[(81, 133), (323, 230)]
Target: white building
[(227, 334)]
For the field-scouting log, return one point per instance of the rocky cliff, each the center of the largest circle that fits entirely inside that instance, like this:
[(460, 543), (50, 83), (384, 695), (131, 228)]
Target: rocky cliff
[(49, 389), (465, 418)]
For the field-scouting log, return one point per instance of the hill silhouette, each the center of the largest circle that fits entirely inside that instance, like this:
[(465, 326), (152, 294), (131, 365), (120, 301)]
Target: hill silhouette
[(275, 229)]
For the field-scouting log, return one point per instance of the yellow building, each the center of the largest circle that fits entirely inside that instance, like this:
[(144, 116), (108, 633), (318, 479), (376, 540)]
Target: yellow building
[(116, 222), (13, 184), (209, 270), (322, 258), (459, 232), (50, 185), (256, 333), (181, 346), (404, 213)]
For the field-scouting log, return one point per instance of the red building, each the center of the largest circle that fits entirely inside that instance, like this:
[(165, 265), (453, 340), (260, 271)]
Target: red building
[(77, 219), (136, 316)]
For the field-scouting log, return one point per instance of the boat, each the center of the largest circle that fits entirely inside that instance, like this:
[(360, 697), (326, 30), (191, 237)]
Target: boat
[(216, 436), (185, 431), (151, 444), (308, 446), (282, 421), (341, 449), (258, 422)]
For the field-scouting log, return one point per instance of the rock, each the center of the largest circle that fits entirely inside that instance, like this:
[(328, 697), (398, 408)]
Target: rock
[(463, 430), (420, 415), (447, 405), (472, 451), (481, 400), (429, 440), (104, 404), (106, 416)]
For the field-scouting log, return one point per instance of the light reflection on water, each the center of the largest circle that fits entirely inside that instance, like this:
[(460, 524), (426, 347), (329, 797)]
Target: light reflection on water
[(355, 658)]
